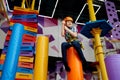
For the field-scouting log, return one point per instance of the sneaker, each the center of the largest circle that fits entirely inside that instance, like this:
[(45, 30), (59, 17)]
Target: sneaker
[(67, 68), (89, 67)]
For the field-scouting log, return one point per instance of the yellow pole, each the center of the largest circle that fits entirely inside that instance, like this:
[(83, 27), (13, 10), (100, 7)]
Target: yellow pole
[(91, 10), (23, 3), (97, 66), (41, 58), (98, 69), (99, 52), (96, 33), (33, 4)]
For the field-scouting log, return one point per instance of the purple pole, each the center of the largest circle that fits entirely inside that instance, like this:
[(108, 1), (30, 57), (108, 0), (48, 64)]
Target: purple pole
[(113, 66)]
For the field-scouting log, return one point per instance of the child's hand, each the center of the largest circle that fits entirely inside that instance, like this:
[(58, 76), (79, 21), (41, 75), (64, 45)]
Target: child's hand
[(66, 28), (63, 35), (63, 22), (81, 45)]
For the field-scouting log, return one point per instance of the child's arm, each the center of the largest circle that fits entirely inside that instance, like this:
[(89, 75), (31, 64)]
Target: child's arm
[(74, 34), (63, 29)]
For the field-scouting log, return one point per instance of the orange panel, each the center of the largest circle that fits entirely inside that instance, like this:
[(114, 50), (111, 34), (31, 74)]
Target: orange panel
[(26, 38), (9, 32), (25, 64), (31, 24), (75, 65), (1, 61)]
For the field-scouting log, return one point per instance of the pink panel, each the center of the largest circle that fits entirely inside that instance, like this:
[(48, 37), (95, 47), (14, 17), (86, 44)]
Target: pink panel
[(50, 22), (55, 48)]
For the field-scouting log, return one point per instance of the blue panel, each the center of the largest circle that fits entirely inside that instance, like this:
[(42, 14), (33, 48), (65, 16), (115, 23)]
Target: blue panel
[(24, 70), (25, 16), (1, 66), (30, 33), (22, 48), (99, 23)]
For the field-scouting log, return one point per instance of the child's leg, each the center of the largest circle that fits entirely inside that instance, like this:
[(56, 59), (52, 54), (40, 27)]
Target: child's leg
[(77, 46), (64, 48), (86, 65)]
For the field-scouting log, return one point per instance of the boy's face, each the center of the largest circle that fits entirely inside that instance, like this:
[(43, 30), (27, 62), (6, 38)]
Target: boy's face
[(69, 23)]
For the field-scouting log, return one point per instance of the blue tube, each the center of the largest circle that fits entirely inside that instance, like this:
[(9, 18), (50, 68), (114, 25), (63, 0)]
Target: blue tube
[(12, 56)]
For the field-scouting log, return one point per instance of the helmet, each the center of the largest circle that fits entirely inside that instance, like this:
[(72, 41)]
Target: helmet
[(68, 19)]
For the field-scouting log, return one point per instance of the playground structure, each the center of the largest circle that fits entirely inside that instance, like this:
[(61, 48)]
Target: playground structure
[(17, 59), (75, 64), (94, 28), (3, 10)]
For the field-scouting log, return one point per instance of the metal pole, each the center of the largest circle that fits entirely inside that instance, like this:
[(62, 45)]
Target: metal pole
[(98, 46)]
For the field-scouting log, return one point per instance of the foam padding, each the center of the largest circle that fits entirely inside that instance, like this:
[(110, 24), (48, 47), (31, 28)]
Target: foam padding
[(25, 64), (24, 70), (75, 65), (25, 16), (41, 58), (28, 28), (26, 59), (12, 56), (23, 76)]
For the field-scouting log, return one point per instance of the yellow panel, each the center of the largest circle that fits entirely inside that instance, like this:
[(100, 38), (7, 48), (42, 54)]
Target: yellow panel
[(24, 76), (11, 23), (21, 58), (30, 29), (26, 59), (2, 56)]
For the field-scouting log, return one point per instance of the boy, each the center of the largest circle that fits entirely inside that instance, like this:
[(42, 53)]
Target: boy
[(70, 33)]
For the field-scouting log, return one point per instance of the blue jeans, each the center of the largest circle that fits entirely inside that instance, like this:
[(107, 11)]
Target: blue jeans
[(77, 46)]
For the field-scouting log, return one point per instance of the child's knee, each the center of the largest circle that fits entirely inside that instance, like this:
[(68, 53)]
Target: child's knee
[(64, 44)]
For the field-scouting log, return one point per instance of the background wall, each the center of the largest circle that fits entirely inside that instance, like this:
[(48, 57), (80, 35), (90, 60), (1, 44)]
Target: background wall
[(2, 33), (51, 27)]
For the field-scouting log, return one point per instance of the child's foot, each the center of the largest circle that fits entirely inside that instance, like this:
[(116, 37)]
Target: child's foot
[(67, 68), (89, 68)]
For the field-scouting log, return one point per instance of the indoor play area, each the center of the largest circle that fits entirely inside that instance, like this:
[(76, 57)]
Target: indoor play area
[(59, 39)]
